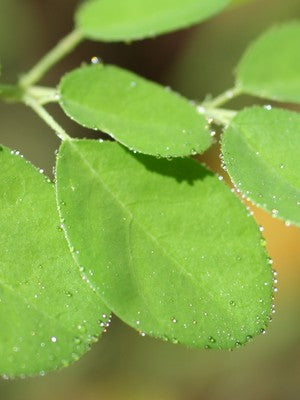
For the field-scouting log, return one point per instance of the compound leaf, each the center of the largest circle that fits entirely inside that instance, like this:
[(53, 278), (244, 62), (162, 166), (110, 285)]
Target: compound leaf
[(140, 114), (270, 67), (48, 315), (127, 20), (261, 150), (172, 251)]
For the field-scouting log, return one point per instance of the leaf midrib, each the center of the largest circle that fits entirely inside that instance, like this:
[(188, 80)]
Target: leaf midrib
[(147, 232)]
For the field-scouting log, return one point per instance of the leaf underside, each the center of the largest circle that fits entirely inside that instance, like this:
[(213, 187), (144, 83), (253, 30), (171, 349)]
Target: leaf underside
[(172, 251), (142, 115), (48, 315), (127, 20), (261, 150), (270, 67)]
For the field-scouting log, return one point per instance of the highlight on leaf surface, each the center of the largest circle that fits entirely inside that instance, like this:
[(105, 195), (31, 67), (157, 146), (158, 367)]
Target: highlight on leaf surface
[(270, 67), (172, 251), (140, 114), (261, 150), (49, 316), (127, 20)]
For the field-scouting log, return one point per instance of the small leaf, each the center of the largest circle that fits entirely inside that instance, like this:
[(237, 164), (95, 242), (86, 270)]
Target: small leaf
[(126, 20), (270, 67), (172, 250), (140, 114), (261, 151), (48, 315)]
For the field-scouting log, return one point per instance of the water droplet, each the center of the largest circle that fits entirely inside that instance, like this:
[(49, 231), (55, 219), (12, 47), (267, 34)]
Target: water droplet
[(212, 340), (95, 60), (268, 107), (232, 303), (174, 320), (53, 339)]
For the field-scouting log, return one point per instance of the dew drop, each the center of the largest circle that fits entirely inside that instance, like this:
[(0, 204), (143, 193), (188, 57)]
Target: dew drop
[(95, 60), (268, 107)]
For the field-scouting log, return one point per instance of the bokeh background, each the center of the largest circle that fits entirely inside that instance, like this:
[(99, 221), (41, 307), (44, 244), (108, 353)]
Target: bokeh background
[(195, 62)]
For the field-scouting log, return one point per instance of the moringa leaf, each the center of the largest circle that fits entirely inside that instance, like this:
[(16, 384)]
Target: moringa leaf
[(270, 67), (171, 249), (261, 151), (127, 20), (140, 114), (48, 315)]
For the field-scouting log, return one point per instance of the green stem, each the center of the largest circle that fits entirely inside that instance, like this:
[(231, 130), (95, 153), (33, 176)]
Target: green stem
[(43, 113), (223, 98), (10, 93), (65, 46), (43, 95), (220, 116)]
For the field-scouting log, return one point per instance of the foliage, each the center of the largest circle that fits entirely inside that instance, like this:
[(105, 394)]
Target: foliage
[(157, 238)]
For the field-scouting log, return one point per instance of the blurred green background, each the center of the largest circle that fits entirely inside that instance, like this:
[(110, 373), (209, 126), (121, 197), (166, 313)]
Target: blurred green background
[(195, 62)]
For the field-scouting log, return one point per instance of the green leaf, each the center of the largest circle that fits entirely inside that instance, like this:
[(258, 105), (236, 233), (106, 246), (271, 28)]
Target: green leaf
[(270, 67), (126, 20), (140, 114), (48, 315), (172, 250), (261, 153)]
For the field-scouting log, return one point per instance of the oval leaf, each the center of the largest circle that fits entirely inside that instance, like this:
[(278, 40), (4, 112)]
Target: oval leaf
[(45, 324), (140, 114), (270, 67), (126, 20), (261, 151), (172, 250)]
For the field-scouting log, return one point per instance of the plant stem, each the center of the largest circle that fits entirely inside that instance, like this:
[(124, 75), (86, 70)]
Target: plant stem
[(43, 113), (65, 46), (43, 95), (223, 98), (10, 93), (220, 116)]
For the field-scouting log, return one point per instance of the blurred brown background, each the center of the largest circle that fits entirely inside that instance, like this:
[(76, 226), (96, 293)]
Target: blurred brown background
[(195, 62)]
